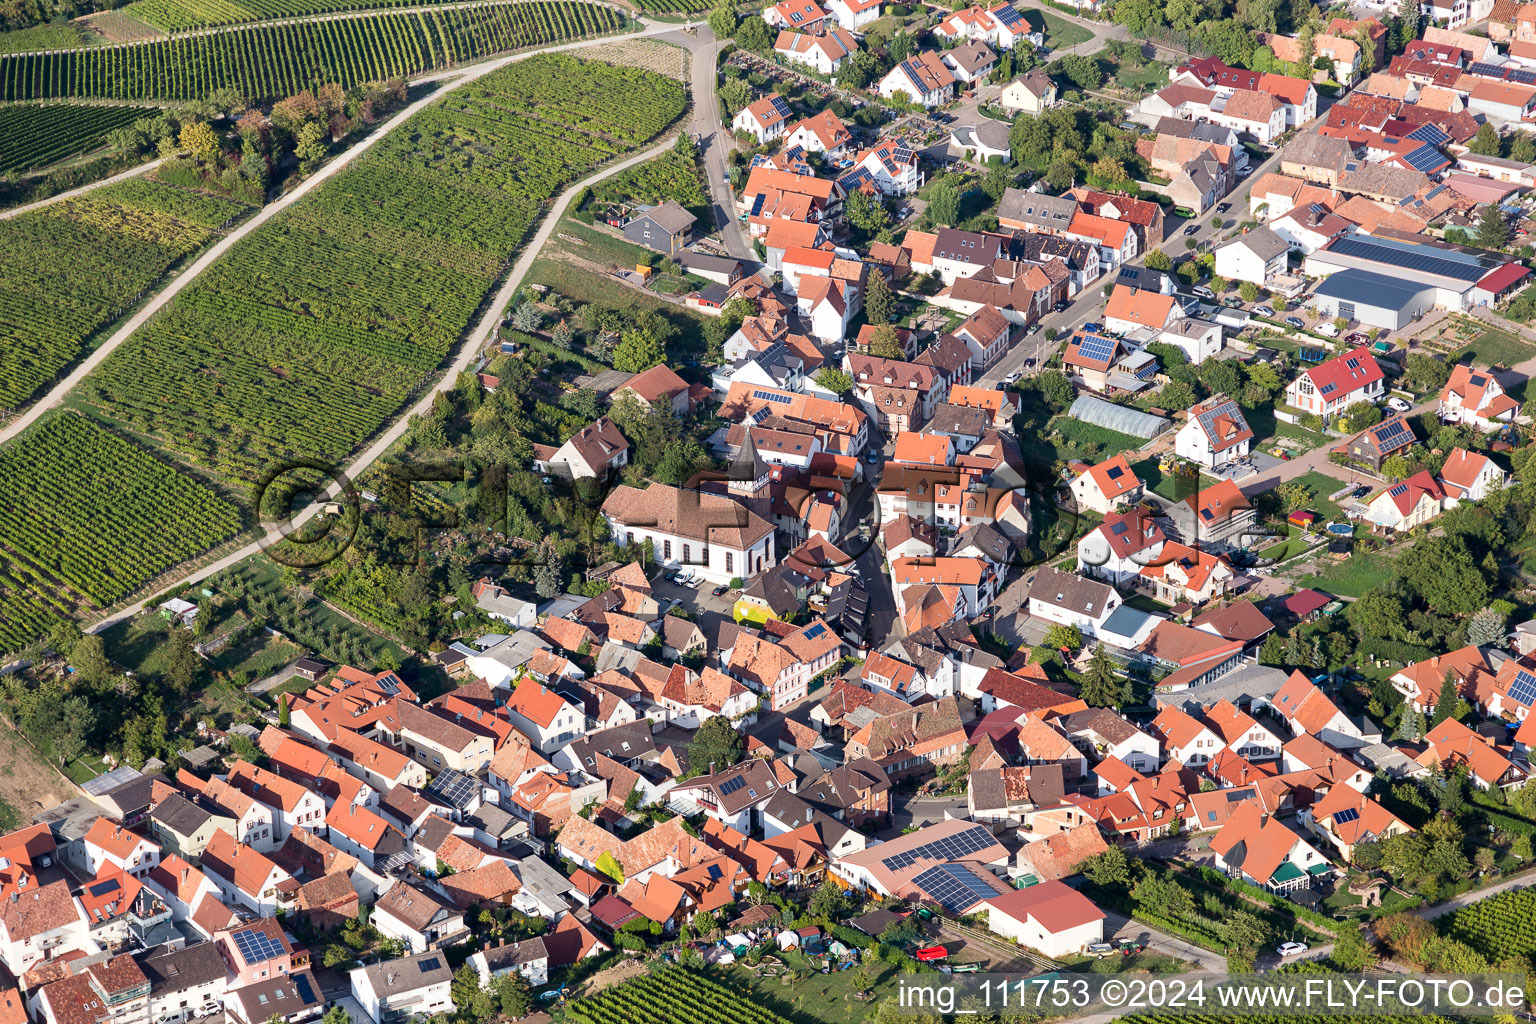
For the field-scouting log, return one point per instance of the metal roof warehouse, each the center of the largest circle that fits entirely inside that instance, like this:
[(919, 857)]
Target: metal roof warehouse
[(1451, 272)]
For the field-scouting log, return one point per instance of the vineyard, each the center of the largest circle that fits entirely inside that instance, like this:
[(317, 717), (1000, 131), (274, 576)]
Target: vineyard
[(71, 269), (86, 518), (42, 37), (676, 6), (1498, 927), (669, 995), (315, 330), (177, 15), (267, 62), (36, 136)]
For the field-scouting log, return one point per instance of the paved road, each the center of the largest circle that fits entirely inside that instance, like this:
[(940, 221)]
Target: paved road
[(715, 143), (1117, 926), (1519, 881), (132, 172)]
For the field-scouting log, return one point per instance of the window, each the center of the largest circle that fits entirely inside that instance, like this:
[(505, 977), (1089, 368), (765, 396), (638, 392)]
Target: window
[(730, 560), (666, 550), (686, 556)]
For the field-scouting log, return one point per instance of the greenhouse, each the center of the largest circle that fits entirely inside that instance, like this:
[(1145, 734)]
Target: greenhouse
[(1117, 417)]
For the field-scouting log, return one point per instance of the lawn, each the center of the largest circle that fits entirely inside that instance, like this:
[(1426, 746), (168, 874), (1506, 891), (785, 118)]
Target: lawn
[(596, 245), (1141, 78), (1322, 485), (1144, 603), (1167, 485), (1499, 348), (1295, 543), (1354, 577), (1059, 32)]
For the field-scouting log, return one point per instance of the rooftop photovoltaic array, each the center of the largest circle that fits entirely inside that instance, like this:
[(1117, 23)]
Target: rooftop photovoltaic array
[(1008, 15), (257, 946), (961, 844), (731, 785), (955, 886), (1346, 815), (1422, 259), (1430, 133), (1425, 159), (1091, 346), (1523, 689), (453, 788)]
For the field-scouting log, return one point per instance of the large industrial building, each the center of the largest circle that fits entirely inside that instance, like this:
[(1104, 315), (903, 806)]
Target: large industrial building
[(1386, 282)]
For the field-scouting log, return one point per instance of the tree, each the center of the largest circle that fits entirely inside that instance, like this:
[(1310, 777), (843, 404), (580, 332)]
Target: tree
[(1221, 376), (722, 21), (828, 901), (1523, 148), (867, 212), (1425, 372), (1102, 687), (311, 146), (900, 47), (181, 664), (638, 350), (1395, 467), (1159, 260), (835, 380), (1445, 702), (1486, 142), (513, 998), (472, 1002), (1350, 950), (548, 574), (1358, 416), (1249, 292), (885, 343), (1492, 231), (283, 713), (1272, 651), (736, 94), (1366, 62), (1487, 629), (859, 69), (199, 140), (1057, 388), (716, 746), (943, 203), (1176, 394), (527, 318), (1294, 495), (89, 660), (753, 34), (1110, 869), (879, 302), (1063, 638), (1081, 70)]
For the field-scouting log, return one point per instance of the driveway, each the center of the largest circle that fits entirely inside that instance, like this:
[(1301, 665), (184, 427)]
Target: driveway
[(1117, 926)]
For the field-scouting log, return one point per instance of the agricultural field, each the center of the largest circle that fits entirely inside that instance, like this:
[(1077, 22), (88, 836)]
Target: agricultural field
[(669, 176), (650, 54), (267, 62), (104, 251), (87, 517), (318, 328), (36, 136), (668, 996), (1498, 927)]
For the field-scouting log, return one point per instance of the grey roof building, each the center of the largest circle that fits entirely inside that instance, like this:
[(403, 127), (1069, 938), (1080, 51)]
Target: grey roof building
[(1041, 212), (666, 228)]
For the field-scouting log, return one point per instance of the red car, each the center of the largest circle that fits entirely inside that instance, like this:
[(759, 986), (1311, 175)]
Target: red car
[(931, 953)]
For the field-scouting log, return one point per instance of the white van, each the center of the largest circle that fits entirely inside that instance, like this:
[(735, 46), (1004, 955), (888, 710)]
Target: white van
[(1327, 328)]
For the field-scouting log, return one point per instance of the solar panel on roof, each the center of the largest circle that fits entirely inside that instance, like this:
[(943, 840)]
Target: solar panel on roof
[(733, 784), (1347, 814), (770, 396), (1410, 257), (1430, 133), (102, 888), (780, 107), (903, 155), (961, 844), (453, 788), (1523, 76), (1425, 158), (1523, 689), (256, 946), (1485, 70), (714, 872), (1398, 489), (1008, 15), (431, 963), (815, 631), (955, 886)]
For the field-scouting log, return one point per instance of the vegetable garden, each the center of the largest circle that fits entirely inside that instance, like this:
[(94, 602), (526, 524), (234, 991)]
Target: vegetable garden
[(86, 518), (318, 328), (36, 136), (1498, 927), (268, 62), (71, 269), (669, 995)]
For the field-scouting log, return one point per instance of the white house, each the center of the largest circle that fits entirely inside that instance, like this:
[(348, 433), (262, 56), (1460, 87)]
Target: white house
[(409, 987), (1215, 434), (528, 958), (1243, 734), (1199, 339), (1257, 257), (708, 534), (1469, 476), (922, 79), (418, 917), (1072, 600), (1476, 397), (824, 53), (1185, 739), (593, 452), (1052, 918), (1407, 503), (1333, 386), (544, 716), (892, 167), (1105, 487), (1001, 26), (1261, 850), (765, 120), (854, 14)]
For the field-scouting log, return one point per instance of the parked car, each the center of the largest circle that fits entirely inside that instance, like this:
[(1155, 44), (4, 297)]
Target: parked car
[(1233, 301), (1263, 311), (1398, 405), (1295, 321), (1202, 291), (1357, 337), (1060, 306), (1292, 948), (1223, 207), (1030, 361), (1094, 326), (1190, 229), (722, 588)]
